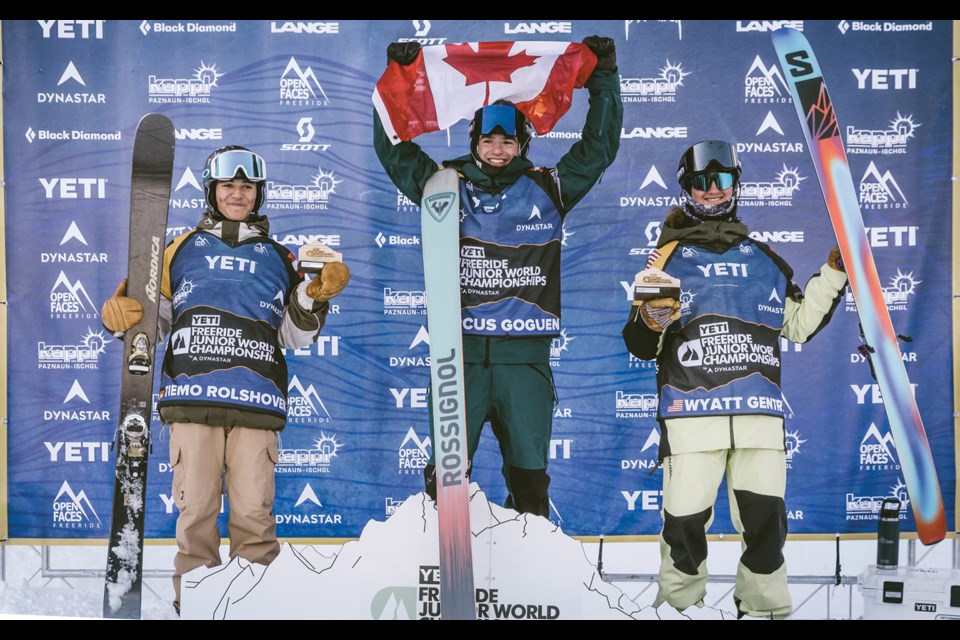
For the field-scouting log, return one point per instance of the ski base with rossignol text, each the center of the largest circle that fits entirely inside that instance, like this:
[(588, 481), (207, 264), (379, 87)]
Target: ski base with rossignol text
[(440, 223)]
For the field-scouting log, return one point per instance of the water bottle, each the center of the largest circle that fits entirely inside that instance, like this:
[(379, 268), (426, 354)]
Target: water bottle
[(888, 534)]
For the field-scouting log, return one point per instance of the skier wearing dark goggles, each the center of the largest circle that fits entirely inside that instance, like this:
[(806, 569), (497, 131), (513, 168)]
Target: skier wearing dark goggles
[(702, 181), (721, 410)]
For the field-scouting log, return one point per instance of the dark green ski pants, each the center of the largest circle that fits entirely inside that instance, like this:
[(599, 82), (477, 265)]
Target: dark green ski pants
[(517, 400)]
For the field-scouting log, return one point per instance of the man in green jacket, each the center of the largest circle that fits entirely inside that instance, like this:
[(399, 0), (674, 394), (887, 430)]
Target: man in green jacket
[(511, 221)]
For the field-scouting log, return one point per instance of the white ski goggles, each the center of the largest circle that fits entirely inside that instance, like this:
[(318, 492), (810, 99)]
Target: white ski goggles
[(228, 164)]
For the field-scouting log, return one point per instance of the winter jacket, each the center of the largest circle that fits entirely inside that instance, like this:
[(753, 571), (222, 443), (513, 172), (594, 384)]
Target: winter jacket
[(566, 184), (231, 301), (718, 366)]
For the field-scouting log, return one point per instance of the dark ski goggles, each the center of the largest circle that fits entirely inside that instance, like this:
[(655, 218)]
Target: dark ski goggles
[(702, 181), (228, 164), (502, 116)]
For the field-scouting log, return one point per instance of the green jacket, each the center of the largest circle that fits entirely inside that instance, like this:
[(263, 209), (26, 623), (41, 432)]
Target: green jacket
[(409, 167), (576, 172)]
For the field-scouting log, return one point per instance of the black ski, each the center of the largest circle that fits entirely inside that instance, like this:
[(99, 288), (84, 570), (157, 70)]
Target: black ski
[(151, 176)]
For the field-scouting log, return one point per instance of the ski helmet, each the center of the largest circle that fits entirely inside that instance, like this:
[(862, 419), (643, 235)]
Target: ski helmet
[(707, 162), (707, 155), (500, 117), (228, 163)]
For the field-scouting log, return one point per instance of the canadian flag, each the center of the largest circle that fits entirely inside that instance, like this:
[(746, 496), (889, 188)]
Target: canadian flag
[(447, 83)]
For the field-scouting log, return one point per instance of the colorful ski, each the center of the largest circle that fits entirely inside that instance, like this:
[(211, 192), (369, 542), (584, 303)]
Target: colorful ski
[(440, 223), (822, 132), (151, 175)]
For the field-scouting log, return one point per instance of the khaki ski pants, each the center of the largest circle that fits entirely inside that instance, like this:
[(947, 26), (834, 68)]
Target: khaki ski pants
[(211, 462)]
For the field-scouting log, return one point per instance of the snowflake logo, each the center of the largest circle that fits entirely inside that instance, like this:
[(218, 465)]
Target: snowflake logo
[(899, 491), (686, 299), (327, 445), (183, 291), (560, 344), (793, 443), (94, 341), (326, 182)]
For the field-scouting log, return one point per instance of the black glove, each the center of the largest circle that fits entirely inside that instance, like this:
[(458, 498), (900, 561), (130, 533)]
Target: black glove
[(403, 52), (605, 50)]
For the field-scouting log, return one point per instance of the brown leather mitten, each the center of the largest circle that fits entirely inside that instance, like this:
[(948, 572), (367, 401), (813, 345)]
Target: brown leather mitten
[(330, 282), (120, 312)]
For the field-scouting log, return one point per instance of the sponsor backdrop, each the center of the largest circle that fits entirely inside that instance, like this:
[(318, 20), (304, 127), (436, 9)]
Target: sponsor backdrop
[(299, 93)]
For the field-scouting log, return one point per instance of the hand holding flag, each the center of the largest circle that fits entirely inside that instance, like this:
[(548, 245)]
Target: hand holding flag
[(447, 83)]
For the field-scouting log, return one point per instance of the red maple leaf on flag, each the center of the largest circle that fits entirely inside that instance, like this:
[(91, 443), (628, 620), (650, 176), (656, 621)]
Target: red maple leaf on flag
[(491, 62)]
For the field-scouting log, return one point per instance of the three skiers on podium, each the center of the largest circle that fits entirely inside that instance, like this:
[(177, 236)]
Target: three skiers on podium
[(231, 441), (223, 281)]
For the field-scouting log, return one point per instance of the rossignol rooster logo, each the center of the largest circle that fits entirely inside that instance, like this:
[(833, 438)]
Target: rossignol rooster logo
[(439, 204)]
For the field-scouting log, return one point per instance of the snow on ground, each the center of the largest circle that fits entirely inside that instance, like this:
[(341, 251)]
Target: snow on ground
[(70, 583)]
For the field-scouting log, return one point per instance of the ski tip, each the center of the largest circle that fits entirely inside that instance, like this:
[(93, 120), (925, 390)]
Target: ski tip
[(784, 34), (931, 538), (932, 531), (155, 120), (781, 32)]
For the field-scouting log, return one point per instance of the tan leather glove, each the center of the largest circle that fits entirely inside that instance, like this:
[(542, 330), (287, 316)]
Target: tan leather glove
[(659, 313), (120, 313), (330, 282), (835, 260)]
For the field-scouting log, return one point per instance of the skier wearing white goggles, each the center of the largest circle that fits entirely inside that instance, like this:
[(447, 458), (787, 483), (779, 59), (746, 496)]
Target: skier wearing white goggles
[(229, 273), (228, 164)]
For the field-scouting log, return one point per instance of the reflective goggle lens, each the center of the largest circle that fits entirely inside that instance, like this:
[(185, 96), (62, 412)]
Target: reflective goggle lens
[(498, 115), (702, 181), (226, 165)]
